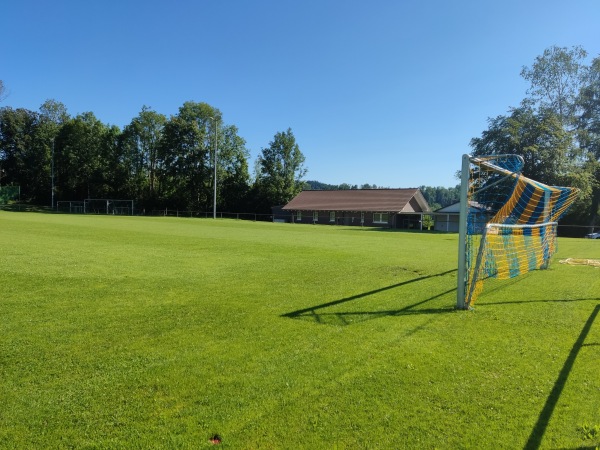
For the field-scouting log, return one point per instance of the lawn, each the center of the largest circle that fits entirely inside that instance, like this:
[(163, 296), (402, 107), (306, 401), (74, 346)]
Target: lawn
[(136, 332)]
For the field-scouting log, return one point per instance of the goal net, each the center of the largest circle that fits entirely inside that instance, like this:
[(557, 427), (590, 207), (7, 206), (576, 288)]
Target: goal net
[(508, 223), (108, 206)]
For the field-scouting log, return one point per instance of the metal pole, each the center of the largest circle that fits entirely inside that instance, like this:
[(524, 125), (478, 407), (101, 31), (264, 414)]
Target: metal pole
[(462, 235), (52, 173), (215, 176)]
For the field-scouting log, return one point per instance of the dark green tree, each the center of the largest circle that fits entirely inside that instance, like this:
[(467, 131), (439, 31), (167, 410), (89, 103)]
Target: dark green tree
[(547, 130), (24, 159), (232, 170), (539, 138), (26, 148), (440, 197), (53, 115), (186, 158), (139, 155), (588, 128), (82, 161), (280, 170)]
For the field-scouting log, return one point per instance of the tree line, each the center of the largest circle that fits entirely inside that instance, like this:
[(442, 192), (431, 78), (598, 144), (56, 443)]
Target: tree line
[(158, 161), (169, 162)]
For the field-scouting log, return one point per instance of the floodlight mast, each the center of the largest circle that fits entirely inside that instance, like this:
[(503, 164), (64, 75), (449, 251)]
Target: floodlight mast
[(215, 169), (52, 173)]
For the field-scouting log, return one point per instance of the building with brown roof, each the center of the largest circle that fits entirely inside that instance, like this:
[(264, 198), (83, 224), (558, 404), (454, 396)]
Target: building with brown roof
[(391, 208)]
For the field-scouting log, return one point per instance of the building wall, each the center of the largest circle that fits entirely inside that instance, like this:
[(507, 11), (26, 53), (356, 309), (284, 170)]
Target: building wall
[(347, 218), (357, 218), (446, 222)]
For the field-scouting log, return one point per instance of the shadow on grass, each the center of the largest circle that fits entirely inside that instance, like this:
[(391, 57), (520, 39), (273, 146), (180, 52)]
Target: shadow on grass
[(23, 207), (517, 302), (347, 318), (539, 429), (390, 230)]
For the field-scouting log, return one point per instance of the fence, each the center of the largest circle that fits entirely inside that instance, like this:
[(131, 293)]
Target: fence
[(210, 214), (70, 207), (576, 231)]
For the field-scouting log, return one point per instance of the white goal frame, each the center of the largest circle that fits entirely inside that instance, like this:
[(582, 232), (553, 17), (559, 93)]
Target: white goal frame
[(108, 206)]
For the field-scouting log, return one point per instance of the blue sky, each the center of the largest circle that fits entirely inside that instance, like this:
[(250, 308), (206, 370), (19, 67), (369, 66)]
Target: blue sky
[(382, 92)]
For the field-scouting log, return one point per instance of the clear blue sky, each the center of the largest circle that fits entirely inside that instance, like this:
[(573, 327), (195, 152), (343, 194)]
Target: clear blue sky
[(386, 92)]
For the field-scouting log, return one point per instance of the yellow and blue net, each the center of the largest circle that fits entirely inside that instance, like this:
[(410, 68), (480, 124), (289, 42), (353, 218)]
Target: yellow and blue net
[(511, 221)]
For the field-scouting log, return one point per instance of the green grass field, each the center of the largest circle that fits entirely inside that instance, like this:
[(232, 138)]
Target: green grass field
[(133, 332)]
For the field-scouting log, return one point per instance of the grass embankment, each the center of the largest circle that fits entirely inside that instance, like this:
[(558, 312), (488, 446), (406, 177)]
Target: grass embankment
[(159, 332)]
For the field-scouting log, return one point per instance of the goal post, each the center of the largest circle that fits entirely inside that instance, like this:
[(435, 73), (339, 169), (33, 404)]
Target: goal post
[(508, 222), (462, 234)]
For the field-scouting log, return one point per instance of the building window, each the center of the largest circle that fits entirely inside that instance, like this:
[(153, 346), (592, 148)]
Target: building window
[(299, 216), (315, 216), (380, 217), (332, 216)]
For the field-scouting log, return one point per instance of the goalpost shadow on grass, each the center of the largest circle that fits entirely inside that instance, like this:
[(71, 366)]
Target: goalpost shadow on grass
[(535, 438), (311, 312), (517, 302)]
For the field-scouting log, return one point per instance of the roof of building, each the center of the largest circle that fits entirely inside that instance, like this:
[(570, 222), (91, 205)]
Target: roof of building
[(382, 200), (454, 208)]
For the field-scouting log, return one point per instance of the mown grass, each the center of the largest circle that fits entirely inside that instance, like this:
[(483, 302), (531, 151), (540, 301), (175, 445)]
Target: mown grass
[(129, 332)]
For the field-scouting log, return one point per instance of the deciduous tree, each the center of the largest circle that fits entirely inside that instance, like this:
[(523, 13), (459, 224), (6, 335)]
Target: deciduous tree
[(82, 166), (21, 159), (281, 168), (548, 129), (140, 148), (185, 157), (588, 127), (556, 78)]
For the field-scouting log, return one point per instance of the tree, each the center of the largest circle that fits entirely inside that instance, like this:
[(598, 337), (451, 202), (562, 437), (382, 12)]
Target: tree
[(440, 197), (21, 160), (280, 170), (186, 157), (54, 112), (556, 78), (53, 115), (232, 170), (26, 140), (540, 139), (140, 149), (82, 161), (548, 129), (588, 127), (428, 222)]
